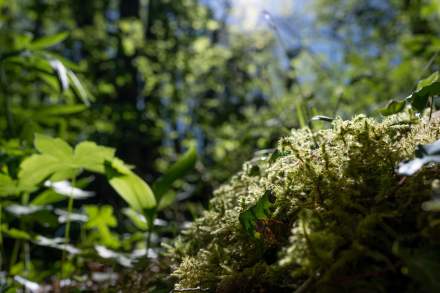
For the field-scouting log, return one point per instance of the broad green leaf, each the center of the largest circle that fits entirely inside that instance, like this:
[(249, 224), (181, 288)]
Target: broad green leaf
[(101, 219), (22, 41), (129, 186), (8, 186), (259, 211), (47, 197), (48, 41), (64, 174), (100, 216), (136, 218), (15, 233), (36, 62), (419, 102), (167, 200), (179, 169), (426, 83), (55, 147), (393, 107), (37, 168), (60, 162), (92, 157), (134, 191), (426, 88)]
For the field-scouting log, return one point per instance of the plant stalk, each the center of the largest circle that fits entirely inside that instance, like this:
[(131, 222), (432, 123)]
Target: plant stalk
[(68, 223)]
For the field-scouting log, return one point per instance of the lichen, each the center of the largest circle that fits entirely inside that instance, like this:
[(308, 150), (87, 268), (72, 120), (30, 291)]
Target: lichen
[(339, 212)]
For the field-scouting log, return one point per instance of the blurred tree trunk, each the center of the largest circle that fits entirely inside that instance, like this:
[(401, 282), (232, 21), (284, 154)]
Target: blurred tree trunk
[(129, 8)]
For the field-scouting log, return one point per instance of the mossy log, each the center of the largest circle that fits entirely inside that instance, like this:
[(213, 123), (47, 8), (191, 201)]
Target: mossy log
[(339, 220)]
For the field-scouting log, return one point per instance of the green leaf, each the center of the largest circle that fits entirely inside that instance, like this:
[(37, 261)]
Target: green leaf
[(15, 233), (393, 107), (37, 168), (60, 110), (100, 216), (129, 186), (259, 211), (47, 197), (426, 88), (48, 41), (21, 41), (179, 169), (167, 200), (92, 157), (427, 83), (101, 219), (59, 161), (8, 186), (54, 147), (64, 174), (136, 218), (77, 87)]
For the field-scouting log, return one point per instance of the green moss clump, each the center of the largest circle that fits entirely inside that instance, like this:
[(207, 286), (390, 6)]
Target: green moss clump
[(341, 221)]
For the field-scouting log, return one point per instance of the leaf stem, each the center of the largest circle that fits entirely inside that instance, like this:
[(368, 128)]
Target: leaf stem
[(14, 254), (26, 246), (68, 222)]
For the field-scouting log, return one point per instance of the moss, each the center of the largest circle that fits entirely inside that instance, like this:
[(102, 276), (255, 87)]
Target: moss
[(339, 212)]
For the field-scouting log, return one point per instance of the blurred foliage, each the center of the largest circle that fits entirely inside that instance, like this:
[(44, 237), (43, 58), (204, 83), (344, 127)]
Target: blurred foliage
[(153, 79), (385, 48)]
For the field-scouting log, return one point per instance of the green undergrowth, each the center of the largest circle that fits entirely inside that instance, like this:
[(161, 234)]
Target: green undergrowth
[(324, 212)]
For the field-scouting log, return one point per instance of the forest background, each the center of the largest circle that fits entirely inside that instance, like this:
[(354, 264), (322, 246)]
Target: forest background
[(153, 79)]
